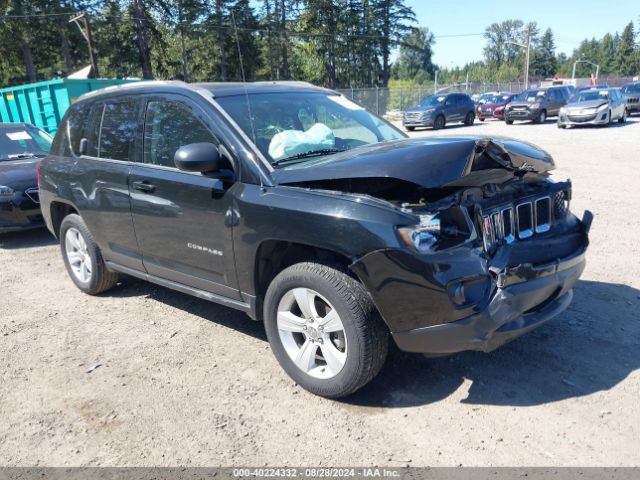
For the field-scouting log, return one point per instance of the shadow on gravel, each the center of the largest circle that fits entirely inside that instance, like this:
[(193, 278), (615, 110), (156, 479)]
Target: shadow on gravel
[(589, 348), (40, 237), (225, 316)]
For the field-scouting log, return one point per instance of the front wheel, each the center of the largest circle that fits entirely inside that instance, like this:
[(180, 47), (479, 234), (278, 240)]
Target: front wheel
[(468, 120), (439, 122), (623, 118), (542, 117), (410, 129), (83, 258), (324, 329), (508, 122)]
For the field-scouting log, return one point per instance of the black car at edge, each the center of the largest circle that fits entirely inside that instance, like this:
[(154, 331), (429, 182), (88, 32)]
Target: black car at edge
[(302, 209), (22, 146)]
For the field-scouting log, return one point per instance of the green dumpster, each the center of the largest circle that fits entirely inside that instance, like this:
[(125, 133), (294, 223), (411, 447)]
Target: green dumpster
[(43, 104)]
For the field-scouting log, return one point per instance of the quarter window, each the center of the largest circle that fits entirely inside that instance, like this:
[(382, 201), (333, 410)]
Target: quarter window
[(71, 130), (168, 126), (118, 130)]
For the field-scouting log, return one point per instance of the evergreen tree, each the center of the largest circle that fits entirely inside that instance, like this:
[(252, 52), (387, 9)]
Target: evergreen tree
[(543, 58), (625, 58), (416, 52)]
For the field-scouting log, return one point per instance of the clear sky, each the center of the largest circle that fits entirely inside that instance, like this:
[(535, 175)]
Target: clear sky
[(570, 20)]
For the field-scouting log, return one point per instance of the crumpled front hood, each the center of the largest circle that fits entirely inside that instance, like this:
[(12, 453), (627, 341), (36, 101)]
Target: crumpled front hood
[(588, 104), (428, 162), (19, 174)]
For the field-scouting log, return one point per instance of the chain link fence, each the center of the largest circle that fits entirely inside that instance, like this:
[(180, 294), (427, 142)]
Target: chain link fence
[(392, 101)]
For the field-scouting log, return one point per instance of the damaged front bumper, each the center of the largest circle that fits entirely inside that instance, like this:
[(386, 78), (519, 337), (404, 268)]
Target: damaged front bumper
[(501, 302)]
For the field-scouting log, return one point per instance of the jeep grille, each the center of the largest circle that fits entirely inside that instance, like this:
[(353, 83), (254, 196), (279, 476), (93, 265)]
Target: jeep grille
[(519, 221)]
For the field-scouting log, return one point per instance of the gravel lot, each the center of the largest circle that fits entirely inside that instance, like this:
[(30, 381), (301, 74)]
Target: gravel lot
[(185, 382)]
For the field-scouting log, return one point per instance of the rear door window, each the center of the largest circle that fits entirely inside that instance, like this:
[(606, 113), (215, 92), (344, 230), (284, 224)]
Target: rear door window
[(118, 126)]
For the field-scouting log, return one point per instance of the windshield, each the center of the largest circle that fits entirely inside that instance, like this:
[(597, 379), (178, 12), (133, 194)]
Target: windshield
[(22, 141), (293, 126), (433, 101), (631, 88), (589, 95), (531, 95)]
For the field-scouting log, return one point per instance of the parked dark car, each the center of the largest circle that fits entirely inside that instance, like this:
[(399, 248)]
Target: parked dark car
[(21, 148), (631, 92), (494, 106), (536, 104), (438, 110), (295, 205), (593, 107)]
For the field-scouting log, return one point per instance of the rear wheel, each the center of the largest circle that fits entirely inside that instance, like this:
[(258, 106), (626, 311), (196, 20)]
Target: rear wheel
[(469, 119), (82, 257), (439, 122), (324, 329)]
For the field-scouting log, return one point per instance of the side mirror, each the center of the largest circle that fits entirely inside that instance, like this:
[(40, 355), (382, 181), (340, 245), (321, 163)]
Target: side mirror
[(83, 147), (198, 157)]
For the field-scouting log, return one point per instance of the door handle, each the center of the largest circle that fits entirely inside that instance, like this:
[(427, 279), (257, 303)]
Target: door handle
[(144, 186)]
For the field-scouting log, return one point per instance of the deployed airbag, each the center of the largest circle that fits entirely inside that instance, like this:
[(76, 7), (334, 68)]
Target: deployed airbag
[(292, 142)]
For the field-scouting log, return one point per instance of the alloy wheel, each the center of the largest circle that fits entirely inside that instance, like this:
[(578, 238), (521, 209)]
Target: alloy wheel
[(78, 255), (312, 333)]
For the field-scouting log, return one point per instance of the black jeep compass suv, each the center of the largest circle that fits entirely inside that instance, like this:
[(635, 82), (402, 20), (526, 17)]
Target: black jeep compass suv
[(301, 208)]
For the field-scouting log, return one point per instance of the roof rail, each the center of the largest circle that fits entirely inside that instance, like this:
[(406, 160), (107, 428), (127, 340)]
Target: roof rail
[(131, 86)]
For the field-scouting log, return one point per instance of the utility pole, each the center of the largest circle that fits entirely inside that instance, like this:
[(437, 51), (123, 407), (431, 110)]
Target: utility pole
[(526, 60), (86, 33), (527, 54)]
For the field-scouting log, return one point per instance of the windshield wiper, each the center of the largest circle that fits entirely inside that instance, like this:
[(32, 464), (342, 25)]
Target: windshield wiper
[(26, 155), (310, 153)]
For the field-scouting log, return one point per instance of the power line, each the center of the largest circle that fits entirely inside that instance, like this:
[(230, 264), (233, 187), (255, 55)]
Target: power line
[(36, 15)]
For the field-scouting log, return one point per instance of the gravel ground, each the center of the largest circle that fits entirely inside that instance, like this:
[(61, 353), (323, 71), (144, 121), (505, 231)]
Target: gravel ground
[(174, 380)]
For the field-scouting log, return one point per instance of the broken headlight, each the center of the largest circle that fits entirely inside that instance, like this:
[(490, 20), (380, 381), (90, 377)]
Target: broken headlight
[(423, 236), (440, 231)]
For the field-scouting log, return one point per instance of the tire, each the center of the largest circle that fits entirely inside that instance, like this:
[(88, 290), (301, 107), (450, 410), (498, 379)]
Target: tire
[(562, 126), (439, 122), (469, 119), (89, 273), (359, 329), (481, 119), (623, 118), (542, 117), (508, 122), (410, 129)]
